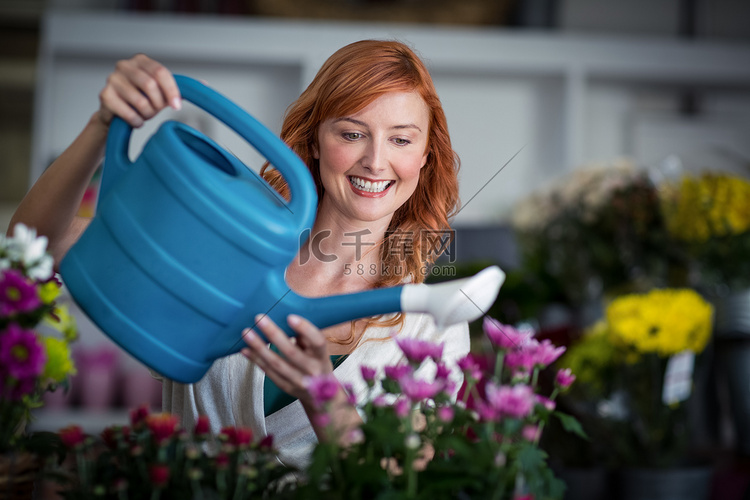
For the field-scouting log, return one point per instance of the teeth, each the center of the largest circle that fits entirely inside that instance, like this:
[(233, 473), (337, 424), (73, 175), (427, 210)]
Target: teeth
[(368, 186)]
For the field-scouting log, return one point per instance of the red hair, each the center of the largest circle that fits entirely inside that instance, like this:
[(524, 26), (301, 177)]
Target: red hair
[(351, 79)]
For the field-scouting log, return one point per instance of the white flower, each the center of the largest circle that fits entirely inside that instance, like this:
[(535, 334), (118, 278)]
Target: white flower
[(31, 250), (412, 441)]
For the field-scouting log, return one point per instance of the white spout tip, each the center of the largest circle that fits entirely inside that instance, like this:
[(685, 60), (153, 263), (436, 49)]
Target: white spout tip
[(455, 301)]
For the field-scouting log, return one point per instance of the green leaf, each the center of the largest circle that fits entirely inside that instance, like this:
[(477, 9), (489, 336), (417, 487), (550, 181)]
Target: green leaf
[(570, 424)]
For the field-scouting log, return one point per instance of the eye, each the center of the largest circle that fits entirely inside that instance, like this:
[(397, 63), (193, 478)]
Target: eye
[(401, 142), (351, 136)]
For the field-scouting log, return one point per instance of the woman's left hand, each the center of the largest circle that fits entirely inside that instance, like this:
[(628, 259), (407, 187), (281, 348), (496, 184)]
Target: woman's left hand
[(303, 356)]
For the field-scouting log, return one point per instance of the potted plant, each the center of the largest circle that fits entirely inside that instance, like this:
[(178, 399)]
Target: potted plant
[(638, 363), (35, 334), (155, 458), (416, 443), (708, 217)]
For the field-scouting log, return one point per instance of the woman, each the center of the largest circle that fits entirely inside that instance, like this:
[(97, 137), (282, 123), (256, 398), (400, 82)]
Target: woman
[(372, 131)]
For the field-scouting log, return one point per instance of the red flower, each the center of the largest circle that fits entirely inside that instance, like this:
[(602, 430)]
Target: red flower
[(72, 436), (138, 415), (159, 475), (112, 434), (222, 460), (266, 442), (202, 426), (162, 426), (243, 435)]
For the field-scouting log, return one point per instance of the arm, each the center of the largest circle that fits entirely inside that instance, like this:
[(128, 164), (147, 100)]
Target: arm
[(305, 356), (136, 91)]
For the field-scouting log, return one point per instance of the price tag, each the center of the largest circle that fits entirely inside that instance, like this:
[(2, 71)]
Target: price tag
[(678, 378)]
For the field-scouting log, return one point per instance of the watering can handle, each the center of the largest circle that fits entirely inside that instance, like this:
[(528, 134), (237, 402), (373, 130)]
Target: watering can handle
[(295, 172)]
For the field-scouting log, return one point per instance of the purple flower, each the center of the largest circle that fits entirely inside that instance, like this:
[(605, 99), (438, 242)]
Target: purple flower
[(565, 378), (546, 402), (547, 353), (401, 407), (368, 373), (522, 359), (504, 336), (397, 372), (15, 389), (322, 388), (516, 401), (21, 353), (470, 367), (531, 433), (418, 390), (17, 294), (417, 350), (442, 372), (445, 413)]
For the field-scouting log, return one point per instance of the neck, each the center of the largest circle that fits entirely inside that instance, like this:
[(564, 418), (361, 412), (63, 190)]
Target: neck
[(340, 256)]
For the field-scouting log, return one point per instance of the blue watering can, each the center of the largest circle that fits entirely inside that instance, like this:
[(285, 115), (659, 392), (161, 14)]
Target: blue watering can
[(188, 245)]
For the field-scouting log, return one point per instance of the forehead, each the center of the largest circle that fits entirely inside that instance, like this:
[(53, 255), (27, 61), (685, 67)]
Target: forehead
[(395, 108)]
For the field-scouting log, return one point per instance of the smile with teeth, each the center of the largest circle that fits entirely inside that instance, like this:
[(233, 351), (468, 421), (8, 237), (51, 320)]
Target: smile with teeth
[(368, 186)]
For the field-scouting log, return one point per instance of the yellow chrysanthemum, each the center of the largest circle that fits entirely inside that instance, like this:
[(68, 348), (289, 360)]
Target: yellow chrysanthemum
[(590, 356), (64, 322), (59, 362), (48, 292), (665, 321), (712, 205)]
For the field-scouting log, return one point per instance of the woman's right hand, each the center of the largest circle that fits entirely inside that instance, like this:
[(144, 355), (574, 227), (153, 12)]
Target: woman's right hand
[(137, 90)]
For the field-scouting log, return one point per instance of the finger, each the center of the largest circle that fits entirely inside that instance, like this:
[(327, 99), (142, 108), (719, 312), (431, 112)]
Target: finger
[(162, 84), (311, 338), (287, 346), (113, 105), (131, 95), (276, 368)]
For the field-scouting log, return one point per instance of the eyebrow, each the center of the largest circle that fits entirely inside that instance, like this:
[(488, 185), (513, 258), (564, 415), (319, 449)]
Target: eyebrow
[(363, 124)]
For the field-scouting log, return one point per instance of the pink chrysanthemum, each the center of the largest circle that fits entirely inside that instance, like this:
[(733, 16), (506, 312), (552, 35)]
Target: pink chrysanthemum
[(419, 390), (504, 336), (17, 294), (516, 401), (417, 350), (21, 353), (565, 378), (322, 388)]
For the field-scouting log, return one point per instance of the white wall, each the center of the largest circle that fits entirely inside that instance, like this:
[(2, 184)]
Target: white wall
[(554, 101)]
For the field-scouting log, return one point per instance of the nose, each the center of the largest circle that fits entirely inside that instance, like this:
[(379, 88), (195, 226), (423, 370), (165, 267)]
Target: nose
[(375, 158)]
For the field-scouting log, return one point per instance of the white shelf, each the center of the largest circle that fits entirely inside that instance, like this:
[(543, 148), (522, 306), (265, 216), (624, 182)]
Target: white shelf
[(92, 422), (561, 99)]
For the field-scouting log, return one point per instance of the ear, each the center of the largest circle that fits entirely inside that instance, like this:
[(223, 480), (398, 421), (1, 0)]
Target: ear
[(424, 158), (315, 152)]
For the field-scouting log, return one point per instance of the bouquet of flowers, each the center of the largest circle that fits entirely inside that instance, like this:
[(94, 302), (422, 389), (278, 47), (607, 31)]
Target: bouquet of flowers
[(35, 332), (709, 214), (635, 368), (598, 230), (416, 443), (155, 458)]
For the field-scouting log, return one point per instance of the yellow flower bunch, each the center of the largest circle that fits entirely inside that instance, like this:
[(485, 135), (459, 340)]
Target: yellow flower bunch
[(663, 321), (591, 357), (708, 206)]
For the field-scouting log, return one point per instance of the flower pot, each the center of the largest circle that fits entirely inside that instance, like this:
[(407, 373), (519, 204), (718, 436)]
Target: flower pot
[(18, 471), (683, 483), (732, 330), (585, 483)]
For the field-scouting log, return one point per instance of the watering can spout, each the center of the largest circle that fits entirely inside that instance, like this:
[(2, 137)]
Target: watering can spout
[(448, 303)]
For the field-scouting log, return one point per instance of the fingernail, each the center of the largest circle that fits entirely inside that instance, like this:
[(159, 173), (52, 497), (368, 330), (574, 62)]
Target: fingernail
[(261, 319), (294, 320), (247, 333), (176, 103)]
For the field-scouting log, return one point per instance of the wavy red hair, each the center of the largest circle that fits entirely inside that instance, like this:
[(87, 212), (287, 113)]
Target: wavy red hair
[(351, 79)]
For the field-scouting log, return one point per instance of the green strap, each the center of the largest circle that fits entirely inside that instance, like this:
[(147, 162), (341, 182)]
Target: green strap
[(275, 399)]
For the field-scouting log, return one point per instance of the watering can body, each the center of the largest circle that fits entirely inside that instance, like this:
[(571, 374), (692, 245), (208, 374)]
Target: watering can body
[(188, 246)]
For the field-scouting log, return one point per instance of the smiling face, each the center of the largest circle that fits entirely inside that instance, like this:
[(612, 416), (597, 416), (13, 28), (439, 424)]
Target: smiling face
[(370, 160)]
